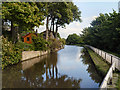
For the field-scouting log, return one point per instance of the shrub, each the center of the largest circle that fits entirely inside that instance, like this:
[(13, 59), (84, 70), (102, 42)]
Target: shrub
[(24, 46), (39, 43), (54, 43), (10, 54), (63, 41)]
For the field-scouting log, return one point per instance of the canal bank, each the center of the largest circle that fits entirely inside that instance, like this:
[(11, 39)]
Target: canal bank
[(100, 64), (26, 55), (111, 79)]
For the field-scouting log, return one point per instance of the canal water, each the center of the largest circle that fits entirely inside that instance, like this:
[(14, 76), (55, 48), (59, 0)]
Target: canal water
[(70, 67)]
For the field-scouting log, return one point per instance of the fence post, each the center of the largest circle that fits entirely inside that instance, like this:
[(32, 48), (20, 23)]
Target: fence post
[(101, 52), (105, 55), (111, 59)]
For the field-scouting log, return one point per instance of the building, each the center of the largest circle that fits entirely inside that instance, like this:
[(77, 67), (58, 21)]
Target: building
[(28, 37), (119, 6)]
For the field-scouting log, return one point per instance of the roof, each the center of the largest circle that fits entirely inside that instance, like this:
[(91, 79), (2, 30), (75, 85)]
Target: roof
[(29, 34)]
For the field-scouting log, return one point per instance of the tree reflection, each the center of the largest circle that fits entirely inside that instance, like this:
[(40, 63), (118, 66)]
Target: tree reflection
[(43, 74), (50, 77), (91, 68)]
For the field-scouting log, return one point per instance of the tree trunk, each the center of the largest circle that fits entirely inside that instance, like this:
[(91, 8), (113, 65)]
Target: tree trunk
[(53, 28), (47, 22), (18, 34), (56, 30), (13, 32)]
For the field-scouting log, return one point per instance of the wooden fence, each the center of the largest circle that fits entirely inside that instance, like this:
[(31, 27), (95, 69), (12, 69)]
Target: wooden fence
[(108, 77), (108, 57)]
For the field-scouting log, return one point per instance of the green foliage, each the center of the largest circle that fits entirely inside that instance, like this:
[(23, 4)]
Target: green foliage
[(63, 41), (100, 64), (0, 51), (61, 13), (10, 54), (73, 39), (54, 44), (39, 43), (23, 14), (104, 32), (24, 46)]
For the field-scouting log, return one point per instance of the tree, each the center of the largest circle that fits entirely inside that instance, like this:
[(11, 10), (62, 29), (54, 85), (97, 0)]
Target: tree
[(104, 32), (24, 15), (73, 39), (61, 13)]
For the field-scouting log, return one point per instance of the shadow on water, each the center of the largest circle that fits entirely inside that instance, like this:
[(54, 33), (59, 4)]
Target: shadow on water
[(44, 72)]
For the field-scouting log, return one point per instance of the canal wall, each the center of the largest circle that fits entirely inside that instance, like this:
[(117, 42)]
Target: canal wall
[(32, 54), (29, 63), (26, 55)]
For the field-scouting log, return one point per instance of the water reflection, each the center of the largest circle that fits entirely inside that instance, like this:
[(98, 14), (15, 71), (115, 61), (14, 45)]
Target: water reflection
[(68, 68), (94, 74), (42, 74)]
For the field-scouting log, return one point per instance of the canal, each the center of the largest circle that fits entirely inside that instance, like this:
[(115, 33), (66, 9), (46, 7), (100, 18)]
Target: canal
[(70, 67)]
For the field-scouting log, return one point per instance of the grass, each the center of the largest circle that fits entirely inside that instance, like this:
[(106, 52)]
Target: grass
[(118, 83), (100, 64)]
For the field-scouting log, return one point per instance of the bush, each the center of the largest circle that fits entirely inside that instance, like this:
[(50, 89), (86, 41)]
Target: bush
[(54, 43), (24, 46), (39, 43), (10, 54), (63, 41)]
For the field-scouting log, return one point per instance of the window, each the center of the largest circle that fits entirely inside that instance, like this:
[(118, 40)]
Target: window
[(28, 39)]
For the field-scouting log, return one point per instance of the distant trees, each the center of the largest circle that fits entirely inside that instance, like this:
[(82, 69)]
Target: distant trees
[(104, 32), (73, 39)]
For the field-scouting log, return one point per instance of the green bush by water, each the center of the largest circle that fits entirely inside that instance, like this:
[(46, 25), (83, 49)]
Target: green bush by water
[(10, 53)]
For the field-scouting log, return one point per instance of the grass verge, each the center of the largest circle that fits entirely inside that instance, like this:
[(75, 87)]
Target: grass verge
[(118, 83), (100, 64)]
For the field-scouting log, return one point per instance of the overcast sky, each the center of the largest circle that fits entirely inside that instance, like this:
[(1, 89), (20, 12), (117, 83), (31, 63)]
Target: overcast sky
[(90, 9)]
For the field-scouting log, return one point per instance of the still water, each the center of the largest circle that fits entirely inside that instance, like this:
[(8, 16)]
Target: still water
[(70, 67)]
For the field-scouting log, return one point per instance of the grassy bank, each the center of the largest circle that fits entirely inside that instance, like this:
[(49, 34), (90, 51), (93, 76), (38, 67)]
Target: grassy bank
[(100, 64), (118, 82)]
